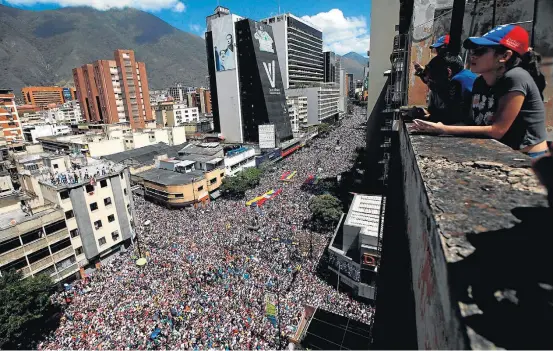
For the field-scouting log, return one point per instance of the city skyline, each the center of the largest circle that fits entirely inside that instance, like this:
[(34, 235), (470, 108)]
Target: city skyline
[(346, 27)]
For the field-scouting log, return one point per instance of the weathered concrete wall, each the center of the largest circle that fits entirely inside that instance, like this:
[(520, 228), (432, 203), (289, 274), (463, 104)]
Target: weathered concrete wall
[(437, 318), (469, 204)]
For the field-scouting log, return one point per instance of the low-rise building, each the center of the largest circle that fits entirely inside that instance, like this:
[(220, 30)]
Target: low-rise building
[(146, 137), (145, 158), (89, 145), (239, 159), (174, 189), (69, 112), (34, 131), (174, 114), (354, 250)]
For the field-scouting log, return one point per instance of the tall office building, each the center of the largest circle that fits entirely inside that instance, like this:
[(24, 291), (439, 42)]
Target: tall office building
[(10, 125), (300, 50), (43, 96), (330, 68), (245, 79), (112, 91), (350, 84)]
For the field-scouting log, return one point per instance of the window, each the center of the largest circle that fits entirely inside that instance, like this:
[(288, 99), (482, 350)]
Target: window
[(121, 175), (98, 224), (179, 195), (69, 214), (79, 251), (222, 174), (107, 201), (102, 241), (125, 191), (115, 235), (56, 166), (103, 183), (213, 181), (93, 206), (64, 195), (200, 188), (89, 188), (74, 233), (111, 218)]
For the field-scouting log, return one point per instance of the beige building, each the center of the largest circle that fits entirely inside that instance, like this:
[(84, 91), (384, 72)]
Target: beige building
[(35, 242), (95, 200)]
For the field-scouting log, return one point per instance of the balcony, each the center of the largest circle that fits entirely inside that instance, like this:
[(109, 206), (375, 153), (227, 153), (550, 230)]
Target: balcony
[(41, 264), (58, 256), (66, 272)]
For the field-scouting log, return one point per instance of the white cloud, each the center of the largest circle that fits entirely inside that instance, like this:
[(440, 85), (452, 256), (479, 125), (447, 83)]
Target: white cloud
[(179, 7), (196, 28), (146, 5), (342, 34)]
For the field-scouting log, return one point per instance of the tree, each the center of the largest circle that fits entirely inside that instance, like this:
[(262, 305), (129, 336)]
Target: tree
[(242, 181), (324, 128), (325, 209), (24, 304)]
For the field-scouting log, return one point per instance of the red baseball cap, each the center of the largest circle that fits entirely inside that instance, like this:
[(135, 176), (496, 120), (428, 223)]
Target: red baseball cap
[(510, 36)]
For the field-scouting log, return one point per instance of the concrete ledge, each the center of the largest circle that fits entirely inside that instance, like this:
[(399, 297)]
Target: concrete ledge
[(480, 239)]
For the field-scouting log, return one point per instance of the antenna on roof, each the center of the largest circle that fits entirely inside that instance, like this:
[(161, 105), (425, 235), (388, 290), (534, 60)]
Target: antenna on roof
[(278, 7)]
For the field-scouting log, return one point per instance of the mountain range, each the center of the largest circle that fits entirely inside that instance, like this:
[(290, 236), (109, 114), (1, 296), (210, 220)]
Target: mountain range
[(354, 63), (42, 47)]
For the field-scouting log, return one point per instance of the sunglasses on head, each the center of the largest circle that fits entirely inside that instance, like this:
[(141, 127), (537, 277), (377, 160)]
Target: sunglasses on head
[(479, 51)]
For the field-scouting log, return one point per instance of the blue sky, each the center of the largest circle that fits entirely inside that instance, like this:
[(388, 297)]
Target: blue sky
[(345, 23)]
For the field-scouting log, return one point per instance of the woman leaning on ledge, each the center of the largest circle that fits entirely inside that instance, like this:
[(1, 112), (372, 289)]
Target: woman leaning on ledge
[(507, 101)]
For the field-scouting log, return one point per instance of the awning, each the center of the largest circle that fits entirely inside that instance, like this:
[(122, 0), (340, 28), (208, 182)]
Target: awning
[(216, 194)]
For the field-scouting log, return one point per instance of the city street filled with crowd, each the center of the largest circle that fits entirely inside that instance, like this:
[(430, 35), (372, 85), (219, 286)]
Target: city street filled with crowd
[(210, 268)]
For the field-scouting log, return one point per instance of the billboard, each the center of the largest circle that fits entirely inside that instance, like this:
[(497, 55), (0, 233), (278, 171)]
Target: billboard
[(66, 94), (224, 49), (267, 136), (271, 79)]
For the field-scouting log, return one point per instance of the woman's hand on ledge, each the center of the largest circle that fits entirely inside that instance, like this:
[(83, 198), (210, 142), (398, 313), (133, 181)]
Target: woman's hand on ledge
[(428, 127)]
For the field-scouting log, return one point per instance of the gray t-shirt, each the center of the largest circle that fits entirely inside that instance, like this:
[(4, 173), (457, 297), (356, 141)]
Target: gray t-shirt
[(529, 126)]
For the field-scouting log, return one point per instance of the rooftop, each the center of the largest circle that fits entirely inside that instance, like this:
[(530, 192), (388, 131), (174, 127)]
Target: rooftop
[(145, 155), (97, 169), (206, 149), (166, 177), (365, 213)]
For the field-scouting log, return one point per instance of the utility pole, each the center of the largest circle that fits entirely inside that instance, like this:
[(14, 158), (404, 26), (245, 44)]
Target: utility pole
[(278, 314), (310, 244)]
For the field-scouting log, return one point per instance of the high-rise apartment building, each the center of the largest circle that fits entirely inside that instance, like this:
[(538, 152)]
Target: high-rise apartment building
[(322, 102), (245, 79), (297, 107), (43, 96), (10, 125), (112, 91), (300, 50)]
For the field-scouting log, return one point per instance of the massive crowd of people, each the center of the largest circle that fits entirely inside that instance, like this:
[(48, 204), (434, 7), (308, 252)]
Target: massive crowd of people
[(209, 268)]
